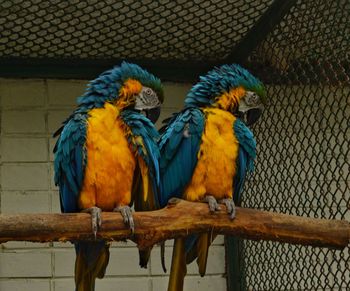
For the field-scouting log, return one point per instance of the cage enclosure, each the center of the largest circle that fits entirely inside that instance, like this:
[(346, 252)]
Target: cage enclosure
[(298, 48)]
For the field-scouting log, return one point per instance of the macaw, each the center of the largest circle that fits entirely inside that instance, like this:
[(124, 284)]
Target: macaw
[(107, 157), (206, 151)]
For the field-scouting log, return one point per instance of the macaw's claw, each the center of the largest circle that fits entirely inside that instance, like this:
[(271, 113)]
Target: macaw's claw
[(212, 203), (126, 213), (230, 206), (96, 220)]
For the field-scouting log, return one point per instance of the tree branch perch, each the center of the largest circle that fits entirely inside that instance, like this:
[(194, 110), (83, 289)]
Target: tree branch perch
[(179, 218)]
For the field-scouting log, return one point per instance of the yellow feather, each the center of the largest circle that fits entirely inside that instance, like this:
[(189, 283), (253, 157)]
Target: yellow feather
[(144, 175), (217, 158), (110, 161), (230, 99), (127, 93)]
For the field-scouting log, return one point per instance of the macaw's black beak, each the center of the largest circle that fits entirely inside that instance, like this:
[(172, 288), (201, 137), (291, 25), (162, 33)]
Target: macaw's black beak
[(153, 114), (253, 116)]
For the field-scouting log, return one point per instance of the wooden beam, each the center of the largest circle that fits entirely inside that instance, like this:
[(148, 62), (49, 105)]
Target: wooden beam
[(264, 25), (88, 69), (179, 218)]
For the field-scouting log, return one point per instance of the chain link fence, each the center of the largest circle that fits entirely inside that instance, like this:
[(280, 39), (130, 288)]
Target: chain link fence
[(94, 29), (303, 145), (303, 137)]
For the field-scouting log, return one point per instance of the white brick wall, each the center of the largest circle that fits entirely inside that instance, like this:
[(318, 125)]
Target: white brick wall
[(23, 121), (24, 176), (31, 110), (31, 149), (26, 284)]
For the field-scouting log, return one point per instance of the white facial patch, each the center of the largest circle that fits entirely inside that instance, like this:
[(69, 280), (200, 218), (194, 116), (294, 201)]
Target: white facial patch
[(147, 99), (249, 101), (252, 99)]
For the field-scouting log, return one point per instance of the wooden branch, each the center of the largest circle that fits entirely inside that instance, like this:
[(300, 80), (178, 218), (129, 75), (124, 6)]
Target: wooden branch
[(179, 218)]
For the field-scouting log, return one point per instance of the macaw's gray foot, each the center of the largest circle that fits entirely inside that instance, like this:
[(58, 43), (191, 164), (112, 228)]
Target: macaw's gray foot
[(212, 203), (230, 206), (96, 220), (126, 213)]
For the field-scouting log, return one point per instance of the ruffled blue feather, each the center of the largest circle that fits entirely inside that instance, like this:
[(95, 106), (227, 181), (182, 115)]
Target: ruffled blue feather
[(220, 80), (141, 126), (246, 156), (179, 146), (70, 161), (106, 87)]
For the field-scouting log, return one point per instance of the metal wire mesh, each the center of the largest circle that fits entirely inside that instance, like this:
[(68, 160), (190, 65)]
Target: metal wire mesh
[(188, 30), (303, 145), (303, 137)]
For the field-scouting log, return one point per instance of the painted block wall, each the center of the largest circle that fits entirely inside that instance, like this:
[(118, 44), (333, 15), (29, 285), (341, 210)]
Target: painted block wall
[(30, 111)]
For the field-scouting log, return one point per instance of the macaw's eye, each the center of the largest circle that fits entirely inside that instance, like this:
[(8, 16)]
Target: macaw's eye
[(251, 98), (149, 92)]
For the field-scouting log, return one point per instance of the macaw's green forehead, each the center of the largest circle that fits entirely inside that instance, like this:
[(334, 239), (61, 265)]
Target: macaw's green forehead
[(220, 80), (105, 88)]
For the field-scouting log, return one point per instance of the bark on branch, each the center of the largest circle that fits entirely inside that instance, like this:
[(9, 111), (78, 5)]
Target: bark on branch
[(179, 218)]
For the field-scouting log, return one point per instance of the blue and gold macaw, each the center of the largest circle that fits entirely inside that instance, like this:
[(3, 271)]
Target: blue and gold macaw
[(206, 151), (106, 158)]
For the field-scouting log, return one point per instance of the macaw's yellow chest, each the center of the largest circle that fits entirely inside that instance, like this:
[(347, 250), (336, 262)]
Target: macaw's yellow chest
[(110, 162), (216, 166)]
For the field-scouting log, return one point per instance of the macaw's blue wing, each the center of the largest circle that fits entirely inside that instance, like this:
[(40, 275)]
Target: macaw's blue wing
[(144, 137), (179, 146), (70, 161), (246, 156)]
